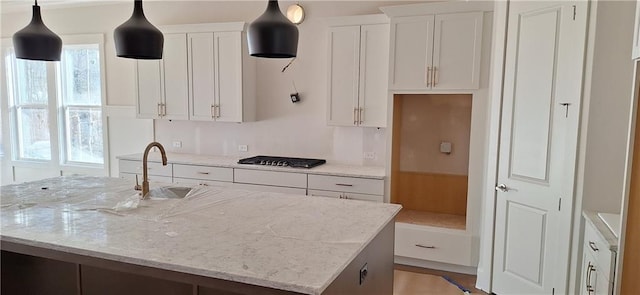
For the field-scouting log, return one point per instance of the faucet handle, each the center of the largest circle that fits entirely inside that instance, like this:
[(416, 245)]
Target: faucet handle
[(138, 187)]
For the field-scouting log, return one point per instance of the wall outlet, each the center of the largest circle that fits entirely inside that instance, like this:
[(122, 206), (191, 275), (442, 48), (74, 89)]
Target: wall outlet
[(243, 148), (370, 155), (177, 144)]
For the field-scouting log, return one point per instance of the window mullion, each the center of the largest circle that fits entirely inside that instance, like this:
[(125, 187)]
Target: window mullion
[(54, 129)]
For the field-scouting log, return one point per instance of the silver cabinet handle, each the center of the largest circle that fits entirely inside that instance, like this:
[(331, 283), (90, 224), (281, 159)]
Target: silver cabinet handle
[(435, 76), (159, 110), (344, 184), (428, 77), (360, 120), (213, 111), (355, 116), (425, 247), (217, 111), (203, 173), (164, 109), (502, 187), (593, 247)]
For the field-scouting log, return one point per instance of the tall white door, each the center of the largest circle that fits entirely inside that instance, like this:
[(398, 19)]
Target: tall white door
[(538, 144)]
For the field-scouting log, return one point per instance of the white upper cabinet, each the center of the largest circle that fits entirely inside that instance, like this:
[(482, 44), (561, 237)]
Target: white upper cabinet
[(357, 71), (436, 52), (205, 75), (636, 34), (162, 84), (215, 63)]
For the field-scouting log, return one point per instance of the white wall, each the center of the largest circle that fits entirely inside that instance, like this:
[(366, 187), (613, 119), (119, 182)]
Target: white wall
[(282, 128)]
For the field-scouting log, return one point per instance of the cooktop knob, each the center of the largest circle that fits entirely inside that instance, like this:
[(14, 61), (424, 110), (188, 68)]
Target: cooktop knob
[(262, 162), (274, 163)]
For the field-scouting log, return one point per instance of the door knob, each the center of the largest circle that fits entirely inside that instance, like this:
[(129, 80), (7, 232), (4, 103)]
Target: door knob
[(502, 187)]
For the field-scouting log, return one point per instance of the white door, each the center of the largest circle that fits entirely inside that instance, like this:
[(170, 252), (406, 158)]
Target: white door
[(148, 74), (201, 70), (543, 70), (374, 72), (412, 52), (175, 77), (456, 50), (344, 72), (228, 53)]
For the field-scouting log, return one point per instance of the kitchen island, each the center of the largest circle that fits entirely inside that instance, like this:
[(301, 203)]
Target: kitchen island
[(91, 235)]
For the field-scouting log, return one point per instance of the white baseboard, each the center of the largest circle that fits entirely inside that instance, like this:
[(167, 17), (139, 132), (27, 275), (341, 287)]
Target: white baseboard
[(435, 265)]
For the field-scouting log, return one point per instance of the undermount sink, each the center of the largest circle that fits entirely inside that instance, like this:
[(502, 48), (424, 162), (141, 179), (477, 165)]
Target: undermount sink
[(171, 192)]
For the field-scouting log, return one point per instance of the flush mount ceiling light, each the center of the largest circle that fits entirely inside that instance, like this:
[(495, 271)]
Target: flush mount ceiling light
[(272, 35), (295, 13), (36, 41), (137, 38)]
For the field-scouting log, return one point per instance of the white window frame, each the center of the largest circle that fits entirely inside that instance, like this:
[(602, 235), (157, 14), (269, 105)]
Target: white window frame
[(56, 109)]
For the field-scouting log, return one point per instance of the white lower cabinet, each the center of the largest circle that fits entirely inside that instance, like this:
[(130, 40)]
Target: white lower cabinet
[(357, 188), (270, 188), (599, 263), (364, 189), (344, 195), (432, 244)]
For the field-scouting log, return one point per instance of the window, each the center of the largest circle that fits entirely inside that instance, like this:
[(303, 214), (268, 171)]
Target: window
[(55, 108), (81, 103)]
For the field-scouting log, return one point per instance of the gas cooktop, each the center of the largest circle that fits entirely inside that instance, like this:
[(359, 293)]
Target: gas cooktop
[(282, 161)]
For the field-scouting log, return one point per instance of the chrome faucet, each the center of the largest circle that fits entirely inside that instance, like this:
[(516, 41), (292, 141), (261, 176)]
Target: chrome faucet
[(145, 179)]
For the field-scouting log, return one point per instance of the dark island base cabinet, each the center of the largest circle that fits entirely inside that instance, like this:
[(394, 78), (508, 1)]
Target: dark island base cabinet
[(27, 270)]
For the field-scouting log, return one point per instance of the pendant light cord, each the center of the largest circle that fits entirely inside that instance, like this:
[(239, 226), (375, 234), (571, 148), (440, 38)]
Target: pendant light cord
[(289, 64), (36, 2)]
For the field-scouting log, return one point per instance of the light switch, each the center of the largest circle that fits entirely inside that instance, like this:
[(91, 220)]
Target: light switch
[(445, 147)]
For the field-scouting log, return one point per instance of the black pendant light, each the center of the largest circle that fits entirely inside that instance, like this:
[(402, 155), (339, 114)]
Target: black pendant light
[(36, 41), (137, 38), (272, 35)]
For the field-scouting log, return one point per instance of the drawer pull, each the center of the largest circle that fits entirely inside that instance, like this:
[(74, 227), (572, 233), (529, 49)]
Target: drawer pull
[(203, 173), (425, 247), (344, 184), (593, 247)]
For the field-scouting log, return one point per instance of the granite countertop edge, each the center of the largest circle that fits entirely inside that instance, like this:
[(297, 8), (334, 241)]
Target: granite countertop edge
[(601, 229)]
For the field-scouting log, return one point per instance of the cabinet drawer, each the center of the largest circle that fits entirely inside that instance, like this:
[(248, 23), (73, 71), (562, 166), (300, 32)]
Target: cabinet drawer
[(152, 179), (425, 244), (153, 168), (347, 184), (270, 178), (270, 189), (191, 181), (599, 249), (341, 195), (203, 172)]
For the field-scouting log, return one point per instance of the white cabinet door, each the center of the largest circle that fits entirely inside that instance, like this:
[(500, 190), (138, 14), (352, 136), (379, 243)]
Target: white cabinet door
[(202, 74), (148, 74), (374, 72), (228, 60), (344, 67), (636, 34), (411, 52), (456, 51), (175, 78)]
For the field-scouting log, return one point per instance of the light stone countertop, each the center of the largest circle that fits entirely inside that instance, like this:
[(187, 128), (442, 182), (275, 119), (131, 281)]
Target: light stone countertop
[(232, 162), (287, 242), (602, 229)]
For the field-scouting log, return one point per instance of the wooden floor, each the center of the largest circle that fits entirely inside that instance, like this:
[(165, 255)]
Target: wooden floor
[(466, 281)]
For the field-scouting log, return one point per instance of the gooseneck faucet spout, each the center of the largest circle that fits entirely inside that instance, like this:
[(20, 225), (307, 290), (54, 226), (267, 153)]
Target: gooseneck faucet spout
[(145, 179)]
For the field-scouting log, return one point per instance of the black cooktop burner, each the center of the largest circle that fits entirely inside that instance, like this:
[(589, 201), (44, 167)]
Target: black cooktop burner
[(282, 161)]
